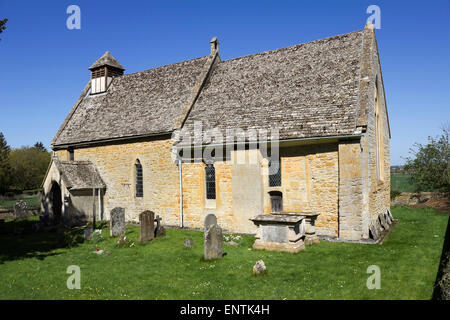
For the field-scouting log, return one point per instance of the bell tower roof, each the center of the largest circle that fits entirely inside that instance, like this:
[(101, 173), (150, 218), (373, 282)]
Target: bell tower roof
[(107, 60)]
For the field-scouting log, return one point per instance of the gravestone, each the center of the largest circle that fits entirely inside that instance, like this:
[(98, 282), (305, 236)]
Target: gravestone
[(210, 220), (188, 243), (212, 238), (20, 209), (117, 222), (147, 224), (160, 231)]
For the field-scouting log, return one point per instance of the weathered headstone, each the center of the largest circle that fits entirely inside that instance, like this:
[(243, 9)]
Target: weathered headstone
[(188, 243), (212, 239), (210, 220), (20, 209), (117, 222), (160, 231), (147, 224)]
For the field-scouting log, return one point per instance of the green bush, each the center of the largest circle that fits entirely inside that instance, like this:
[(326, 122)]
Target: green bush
[(97, 237), (72, 238)]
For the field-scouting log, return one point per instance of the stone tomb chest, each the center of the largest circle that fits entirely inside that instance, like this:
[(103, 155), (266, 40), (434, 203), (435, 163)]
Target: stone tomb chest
[(285, 231)]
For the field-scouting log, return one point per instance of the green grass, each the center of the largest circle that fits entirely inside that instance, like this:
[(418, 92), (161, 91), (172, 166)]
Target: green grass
[(31, 268), (30, 200), (400, 182)]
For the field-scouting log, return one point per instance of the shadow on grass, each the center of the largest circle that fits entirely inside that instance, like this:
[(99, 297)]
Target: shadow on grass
[(26, 244), (441, 287)]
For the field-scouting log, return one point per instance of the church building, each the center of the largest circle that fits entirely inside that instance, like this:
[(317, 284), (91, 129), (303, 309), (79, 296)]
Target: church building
[(309, 133)]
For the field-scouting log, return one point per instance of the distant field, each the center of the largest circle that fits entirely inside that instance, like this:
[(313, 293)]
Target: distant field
[(30, 200), (400, 182)]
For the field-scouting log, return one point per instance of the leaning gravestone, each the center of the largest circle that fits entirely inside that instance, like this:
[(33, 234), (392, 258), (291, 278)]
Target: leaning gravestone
[(212, 239), (147, 224), (117, 222), (20, 209)]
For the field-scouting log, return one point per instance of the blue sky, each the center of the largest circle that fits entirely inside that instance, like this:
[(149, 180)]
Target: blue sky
[(44, 65)]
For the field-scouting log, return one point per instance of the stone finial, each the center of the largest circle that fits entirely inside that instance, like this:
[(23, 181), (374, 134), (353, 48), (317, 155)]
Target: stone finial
[(369, 26), (214, 45)]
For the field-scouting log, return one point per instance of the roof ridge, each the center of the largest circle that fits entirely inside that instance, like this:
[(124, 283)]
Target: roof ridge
[(163, 66), (288, 47)]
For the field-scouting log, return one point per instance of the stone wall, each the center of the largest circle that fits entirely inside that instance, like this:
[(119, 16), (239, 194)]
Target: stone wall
[(326, 178), (379, 189), (309, 183), (116, 165), (195, 205)]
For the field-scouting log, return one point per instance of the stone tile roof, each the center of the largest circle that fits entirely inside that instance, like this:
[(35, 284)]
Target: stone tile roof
[(79, 174), (106, 60), (141, 103), (306, 90)]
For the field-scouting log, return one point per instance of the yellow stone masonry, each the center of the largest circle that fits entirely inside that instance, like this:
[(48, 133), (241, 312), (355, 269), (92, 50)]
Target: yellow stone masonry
[(116, 165)]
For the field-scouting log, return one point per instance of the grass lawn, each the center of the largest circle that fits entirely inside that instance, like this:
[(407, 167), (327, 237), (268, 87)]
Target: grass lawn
[(163, 269), (400, 182), (30, 200)]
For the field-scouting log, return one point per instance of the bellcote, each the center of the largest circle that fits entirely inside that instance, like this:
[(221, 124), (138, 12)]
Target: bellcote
[(103, 71)]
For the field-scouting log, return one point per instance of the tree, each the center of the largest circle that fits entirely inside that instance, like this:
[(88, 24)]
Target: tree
[(5, 169), (429, 167), (3, 24), (28, 167), (40, 146)]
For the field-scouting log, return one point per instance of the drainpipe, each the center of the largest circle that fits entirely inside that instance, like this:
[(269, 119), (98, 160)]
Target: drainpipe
[(93, 208), (99, 205), (180, 172)]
